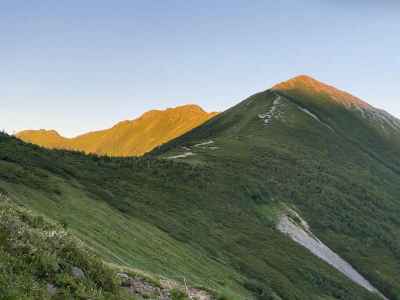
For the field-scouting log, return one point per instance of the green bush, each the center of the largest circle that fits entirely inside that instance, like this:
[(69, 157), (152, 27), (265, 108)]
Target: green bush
[(35, 252), (177, 294)]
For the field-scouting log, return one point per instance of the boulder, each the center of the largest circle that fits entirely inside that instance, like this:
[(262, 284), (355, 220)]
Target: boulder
[(77, 273), (51, 289)]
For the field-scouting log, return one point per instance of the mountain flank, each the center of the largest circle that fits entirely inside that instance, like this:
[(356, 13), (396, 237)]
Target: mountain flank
[(127, 138), (291, 194)]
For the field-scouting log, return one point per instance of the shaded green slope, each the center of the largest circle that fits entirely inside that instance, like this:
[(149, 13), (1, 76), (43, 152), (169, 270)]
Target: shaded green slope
[(109, 213), (207, 224), (373, 130), (39, 259), (346, 189), (210, 216)]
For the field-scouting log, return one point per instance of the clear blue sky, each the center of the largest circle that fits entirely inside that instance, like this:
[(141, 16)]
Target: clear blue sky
[(79, 65)]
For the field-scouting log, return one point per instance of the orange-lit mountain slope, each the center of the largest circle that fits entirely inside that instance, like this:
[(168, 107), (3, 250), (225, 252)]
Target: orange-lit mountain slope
[(308, 84), (127, 138)]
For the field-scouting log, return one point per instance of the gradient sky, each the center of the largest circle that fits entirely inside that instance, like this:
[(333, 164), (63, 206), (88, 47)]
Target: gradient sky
[(80, 65)]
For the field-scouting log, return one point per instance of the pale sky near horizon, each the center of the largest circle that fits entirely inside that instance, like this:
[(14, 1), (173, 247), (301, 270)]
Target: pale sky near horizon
[(77, 66)]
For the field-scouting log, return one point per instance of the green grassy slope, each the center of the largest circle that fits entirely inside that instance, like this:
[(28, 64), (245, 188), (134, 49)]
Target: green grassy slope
[(74, 189), (210, 217), (169, 223), (346, 188), (372, 130), (40, 259), (37, 256)]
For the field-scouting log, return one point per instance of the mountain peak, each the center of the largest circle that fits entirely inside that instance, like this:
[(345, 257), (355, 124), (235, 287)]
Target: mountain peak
[(303, 78), (307, 84), (43, 132), (193, 109), (300, 81)]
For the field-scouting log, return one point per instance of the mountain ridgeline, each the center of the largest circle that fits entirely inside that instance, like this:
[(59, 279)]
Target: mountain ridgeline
[(292, 194), (127, 138)]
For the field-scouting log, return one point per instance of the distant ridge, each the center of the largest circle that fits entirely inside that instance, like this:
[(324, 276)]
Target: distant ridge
[(126, 138)]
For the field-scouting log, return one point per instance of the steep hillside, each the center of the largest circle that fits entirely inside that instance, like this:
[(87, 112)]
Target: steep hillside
[(42, 260), (268, 200), (372, 130), (203, 223), (127, 138), (326, 154)]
